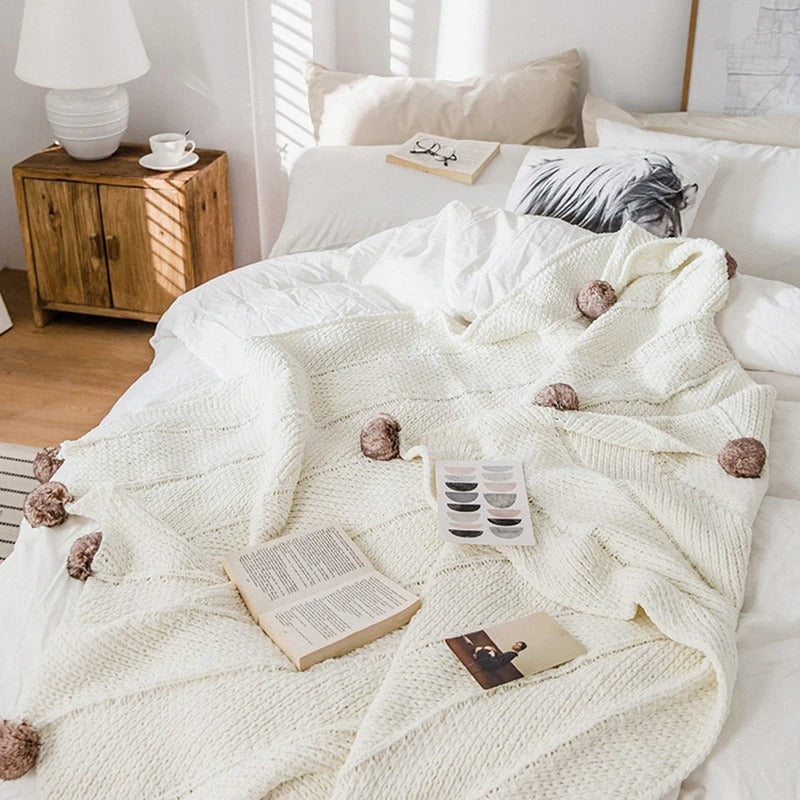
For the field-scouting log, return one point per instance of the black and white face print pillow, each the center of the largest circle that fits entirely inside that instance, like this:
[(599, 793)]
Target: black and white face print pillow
[(601, 189)]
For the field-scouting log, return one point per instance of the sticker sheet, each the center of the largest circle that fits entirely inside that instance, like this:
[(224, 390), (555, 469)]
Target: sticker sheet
[(483, 502)]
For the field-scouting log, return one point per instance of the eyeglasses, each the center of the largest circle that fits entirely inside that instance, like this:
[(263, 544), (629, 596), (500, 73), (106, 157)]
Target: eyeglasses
[(444, 153)]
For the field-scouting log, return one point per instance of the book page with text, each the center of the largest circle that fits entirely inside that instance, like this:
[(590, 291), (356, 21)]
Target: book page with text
[(294, 566), (313, 622)]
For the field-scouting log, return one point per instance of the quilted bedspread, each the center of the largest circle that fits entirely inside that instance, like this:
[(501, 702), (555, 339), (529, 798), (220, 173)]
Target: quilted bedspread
[(162, 686)]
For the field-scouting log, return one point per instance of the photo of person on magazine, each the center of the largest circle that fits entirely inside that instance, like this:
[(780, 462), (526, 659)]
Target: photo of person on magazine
[(490, 658), (498, 654)]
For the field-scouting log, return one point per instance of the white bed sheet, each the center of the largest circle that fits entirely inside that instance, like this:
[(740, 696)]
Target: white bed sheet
[(35, 591), (199, 340)]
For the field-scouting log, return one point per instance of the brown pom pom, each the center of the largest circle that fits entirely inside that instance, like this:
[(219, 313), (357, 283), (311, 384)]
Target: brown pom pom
[(558, 395), (46, 463), (595, 298), (45, 504), (380, 438), (81, 555), (731, 263), (743, 458), (19, 747)]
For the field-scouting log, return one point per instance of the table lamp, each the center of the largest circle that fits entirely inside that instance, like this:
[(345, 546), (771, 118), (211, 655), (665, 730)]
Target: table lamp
[(81, 50)]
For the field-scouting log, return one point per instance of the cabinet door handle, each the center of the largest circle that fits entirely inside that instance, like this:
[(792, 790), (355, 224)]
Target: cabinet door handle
[(112, 247), (97, 245)]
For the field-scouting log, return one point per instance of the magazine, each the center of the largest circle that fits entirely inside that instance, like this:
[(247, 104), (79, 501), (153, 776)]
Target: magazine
[(509, 651), (460, 160), (316, 595)]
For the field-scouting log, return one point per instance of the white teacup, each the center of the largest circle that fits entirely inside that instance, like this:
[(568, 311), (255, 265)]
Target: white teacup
[(170, 148)]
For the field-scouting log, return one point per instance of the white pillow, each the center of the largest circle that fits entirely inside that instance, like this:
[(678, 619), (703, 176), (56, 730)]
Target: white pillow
[(600, 189), (753, 207), (341, 195), (534, 104), (782, 129), (760, 323)]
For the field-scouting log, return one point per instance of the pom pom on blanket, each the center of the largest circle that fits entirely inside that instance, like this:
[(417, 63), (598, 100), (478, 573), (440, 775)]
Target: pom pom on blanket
[(46, 463), (558, 395), (731, 263), (81, 555), (743, 458), (380, 438), (19, 747), (595, 298), (45, 504)]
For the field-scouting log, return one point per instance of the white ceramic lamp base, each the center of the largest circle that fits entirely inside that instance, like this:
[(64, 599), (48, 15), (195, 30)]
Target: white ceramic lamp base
[(89, 123)]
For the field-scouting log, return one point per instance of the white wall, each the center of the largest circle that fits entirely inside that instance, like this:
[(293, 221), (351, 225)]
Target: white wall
[(633, 50), (23, 129), (231, 72), (200, 79)]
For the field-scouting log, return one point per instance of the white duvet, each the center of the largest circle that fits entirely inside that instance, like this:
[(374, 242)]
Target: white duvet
[(200, 339)]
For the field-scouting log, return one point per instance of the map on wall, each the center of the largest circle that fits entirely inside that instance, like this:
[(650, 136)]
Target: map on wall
[(746, 57), (764, 70)]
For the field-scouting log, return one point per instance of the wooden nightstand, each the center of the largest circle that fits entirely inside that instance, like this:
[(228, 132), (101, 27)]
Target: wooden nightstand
[(113, 238)]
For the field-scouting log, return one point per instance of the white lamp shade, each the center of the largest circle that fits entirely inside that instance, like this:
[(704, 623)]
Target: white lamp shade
[(79, 44)]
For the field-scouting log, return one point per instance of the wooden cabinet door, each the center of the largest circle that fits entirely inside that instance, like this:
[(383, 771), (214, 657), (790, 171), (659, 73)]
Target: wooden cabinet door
[(147, 244), (67, 244)]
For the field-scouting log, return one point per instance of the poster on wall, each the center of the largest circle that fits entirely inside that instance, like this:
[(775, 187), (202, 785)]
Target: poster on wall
[(743, 57)]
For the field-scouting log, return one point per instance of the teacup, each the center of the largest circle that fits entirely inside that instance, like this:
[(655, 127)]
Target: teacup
[(170, 148)]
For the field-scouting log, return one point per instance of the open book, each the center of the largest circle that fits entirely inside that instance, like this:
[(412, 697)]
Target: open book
[(316, 596), (458, 159)]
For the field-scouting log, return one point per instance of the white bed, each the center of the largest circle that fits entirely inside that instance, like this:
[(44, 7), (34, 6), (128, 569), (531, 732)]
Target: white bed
[(199, 342)]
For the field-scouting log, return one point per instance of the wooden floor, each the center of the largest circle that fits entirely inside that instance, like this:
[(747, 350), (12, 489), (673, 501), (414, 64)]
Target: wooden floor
[(57, 382)]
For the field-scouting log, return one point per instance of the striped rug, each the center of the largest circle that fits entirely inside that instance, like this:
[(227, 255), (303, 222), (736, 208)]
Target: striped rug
[(16, 480)]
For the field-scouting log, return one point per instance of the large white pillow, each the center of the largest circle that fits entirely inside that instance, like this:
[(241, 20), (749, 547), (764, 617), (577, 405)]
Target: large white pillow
[(534, 104), (780, 129), (752, 208), (341, 195), (600, 189), (760, 323)]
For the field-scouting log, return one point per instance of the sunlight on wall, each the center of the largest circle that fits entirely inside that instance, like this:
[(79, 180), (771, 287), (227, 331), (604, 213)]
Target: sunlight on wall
[(463, 27), (401, 31), (292, 40)]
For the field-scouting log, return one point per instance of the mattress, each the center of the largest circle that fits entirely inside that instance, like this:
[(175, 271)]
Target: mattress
[(199, 341)]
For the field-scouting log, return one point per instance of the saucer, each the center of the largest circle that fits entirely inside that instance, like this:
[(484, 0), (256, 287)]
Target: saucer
[(149, 162)]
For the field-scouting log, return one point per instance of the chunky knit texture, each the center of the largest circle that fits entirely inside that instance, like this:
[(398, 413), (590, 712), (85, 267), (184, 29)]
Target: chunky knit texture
[(163, 687)]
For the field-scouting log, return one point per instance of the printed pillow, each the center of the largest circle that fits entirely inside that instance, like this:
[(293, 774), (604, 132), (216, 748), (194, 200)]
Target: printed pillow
[(776, 129), (752, 209), (534, 104), (602, 189)]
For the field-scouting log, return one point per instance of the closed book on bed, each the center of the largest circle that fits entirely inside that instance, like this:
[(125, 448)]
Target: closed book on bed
[(460, 160)]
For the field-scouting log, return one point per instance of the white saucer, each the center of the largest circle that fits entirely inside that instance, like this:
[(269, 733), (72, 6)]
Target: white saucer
[(149, 162)]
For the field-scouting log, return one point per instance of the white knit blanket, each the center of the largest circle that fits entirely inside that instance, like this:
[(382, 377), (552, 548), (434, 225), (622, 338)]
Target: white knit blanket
[(163, 686)]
